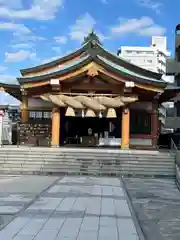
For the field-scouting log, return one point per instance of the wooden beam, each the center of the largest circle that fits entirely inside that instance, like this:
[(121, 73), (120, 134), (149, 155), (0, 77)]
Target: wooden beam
[(34, 85)]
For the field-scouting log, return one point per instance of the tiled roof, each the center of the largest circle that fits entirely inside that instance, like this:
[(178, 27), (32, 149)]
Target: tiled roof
[(127, 71), (63, 67)]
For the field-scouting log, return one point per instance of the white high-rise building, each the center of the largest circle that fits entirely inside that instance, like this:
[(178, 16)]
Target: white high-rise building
[(152, 58)]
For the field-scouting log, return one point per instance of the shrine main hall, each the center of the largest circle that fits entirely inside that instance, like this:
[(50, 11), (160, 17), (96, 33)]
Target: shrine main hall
[(89, 98)]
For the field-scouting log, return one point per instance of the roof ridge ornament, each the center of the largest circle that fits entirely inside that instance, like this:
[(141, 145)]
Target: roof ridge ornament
[(92, 37)]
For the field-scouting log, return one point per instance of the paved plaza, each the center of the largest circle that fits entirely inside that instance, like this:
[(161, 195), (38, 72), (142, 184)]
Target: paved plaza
[(157, 206), (69, 208)]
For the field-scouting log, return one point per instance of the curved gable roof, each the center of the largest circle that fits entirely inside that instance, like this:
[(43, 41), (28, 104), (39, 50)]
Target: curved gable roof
[(92, 46), (54, 62), (106, 64)]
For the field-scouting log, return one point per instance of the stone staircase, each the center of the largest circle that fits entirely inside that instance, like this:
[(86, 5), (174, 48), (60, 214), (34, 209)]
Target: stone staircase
[(24, 160)]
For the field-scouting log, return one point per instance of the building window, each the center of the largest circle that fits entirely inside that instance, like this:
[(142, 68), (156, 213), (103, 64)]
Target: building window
[(149, 61), (32, 114), (47, 115), (129, 52), (150, 53), (38, 114)]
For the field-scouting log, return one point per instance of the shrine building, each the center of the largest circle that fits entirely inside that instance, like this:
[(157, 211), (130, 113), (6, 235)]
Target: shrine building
[(90, 97)]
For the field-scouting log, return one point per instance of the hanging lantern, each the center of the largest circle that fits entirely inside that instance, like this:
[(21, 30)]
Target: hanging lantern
[(82, 113), (90, 113), (70, 112), (111, 113), (100, 115)]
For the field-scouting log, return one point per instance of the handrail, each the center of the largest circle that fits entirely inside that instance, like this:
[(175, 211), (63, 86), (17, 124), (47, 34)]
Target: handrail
[(175, 150), (173, 145)]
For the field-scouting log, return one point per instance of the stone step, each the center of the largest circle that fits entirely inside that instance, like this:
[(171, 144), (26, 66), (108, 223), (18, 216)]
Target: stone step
[(71, 163), (10, 155), (125, 166), (112, 151), (70, 171), (91, 161), (81, 151), (97, 168)]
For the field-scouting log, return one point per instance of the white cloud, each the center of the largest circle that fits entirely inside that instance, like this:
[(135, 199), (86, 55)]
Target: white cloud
[(155, 30), (57, 49), (39, 10), (11, 3), (104, 1), (20, 28), (22, 45), (7, 78), (47, 60), (60, 39), (20, 32), (2, 68), (19, 56), (82, 28), (43, 27), (144, 26), (152, 4), (27, 38)]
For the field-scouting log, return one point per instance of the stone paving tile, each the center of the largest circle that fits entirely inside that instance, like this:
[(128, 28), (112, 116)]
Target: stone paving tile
[(9, 209), (83, 195), (157, 204), (24, 237), (102, 214), (15, 198), (17, 192)]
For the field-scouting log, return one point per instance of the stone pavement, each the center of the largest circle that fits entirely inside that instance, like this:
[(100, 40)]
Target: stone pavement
[(76, 208), (157, 205), (18, 192)]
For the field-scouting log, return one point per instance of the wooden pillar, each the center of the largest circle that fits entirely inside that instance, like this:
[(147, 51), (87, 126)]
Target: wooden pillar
[(125, 138), (55, 127), (154, 124), (24, 108)]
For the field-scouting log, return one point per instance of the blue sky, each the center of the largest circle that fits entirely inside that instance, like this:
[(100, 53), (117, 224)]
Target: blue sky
[(35, 31)]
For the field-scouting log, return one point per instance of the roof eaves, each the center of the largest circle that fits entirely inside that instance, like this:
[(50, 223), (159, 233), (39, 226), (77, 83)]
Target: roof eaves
[(55, 62), (118, 58), (69, 67), (129, 73), (16, 86)]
